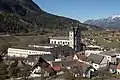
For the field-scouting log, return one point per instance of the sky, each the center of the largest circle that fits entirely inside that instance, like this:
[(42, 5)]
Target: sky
[(81, 10)]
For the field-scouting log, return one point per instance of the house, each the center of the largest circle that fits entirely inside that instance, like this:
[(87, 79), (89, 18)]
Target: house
[(97, 61), (66, 64), (93, 49), (47, 57), (79, 56), (63, 58), (88, 71), (42, 67), (25, 51), (111, 56)]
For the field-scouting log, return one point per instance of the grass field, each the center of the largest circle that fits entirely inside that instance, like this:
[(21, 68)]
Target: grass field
[(98, 36), (113, 38)]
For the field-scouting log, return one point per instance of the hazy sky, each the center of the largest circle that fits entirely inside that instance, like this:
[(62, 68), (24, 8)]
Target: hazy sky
[(81, 9)]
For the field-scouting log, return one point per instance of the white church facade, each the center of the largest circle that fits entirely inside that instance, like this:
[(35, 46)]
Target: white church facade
[(63, 40)]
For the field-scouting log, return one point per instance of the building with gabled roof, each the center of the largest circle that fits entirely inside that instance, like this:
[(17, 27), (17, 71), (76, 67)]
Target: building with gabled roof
[(33, 58), (111, 56), (97, 61), (40, 66), (88, 71), (79, 56)]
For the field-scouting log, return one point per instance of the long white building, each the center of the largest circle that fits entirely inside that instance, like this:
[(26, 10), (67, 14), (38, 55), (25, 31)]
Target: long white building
[(46, 46), (25, 51)]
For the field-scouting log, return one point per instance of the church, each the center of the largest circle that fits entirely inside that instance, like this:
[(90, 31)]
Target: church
[(73, 40)]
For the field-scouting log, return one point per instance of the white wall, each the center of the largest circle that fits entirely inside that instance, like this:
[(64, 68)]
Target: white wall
[(59, 42), (118, 71), (110, 58), (75, 57), (69, 42), (102, 64), (96, 66), (117, 55), (88, 52), (38, 46), (71, 39), (14, 52)]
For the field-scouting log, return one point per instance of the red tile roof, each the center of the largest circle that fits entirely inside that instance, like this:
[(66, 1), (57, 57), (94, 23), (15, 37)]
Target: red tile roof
[(81, 56), (118, 66), (57, 68)]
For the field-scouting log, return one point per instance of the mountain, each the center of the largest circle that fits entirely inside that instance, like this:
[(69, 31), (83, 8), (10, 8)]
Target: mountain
[(110, 22), (24, 16)]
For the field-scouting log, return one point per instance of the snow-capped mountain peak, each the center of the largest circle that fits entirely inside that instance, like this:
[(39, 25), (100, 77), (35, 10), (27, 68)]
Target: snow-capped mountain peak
[(115, 16), (112, 21)]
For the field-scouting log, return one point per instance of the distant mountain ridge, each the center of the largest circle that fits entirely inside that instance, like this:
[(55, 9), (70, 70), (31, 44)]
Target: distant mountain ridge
[(110, 22)]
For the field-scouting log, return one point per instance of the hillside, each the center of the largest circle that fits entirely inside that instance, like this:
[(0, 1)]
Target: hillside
[(23, 16)]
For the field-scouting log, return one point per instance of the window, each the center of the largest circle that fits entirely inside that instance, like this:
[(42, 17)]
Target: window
[(55, 42), (83, 53), (58, 42), (51, 41), (118, 73), (63, 42), (68, 43)]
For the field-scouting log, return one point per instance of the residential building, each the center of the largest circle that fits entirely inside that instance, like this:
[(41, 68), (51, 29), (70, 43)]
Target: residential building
[(42, 67), (111, 56), (66, 64), (79, 56), (47, 57), (88, 71), (93, 49), (97, 61)]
